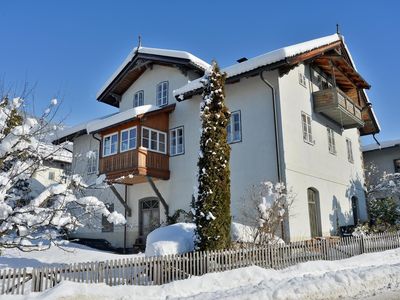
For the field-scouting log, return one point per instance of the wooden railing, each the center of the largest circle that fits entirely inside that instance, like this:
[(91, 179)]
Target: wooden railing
[(337, 106), (136, 162)]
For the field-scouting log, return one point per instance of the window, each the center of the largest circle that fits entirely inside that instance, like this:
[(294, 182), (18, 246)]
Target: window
[(92, 162), (177, 145), (110, 144), (302, 79), (397, 165), (234, 128), (52, 175), (154, 140), (331, 140), (307, 132), (138, 99), (107, 226), (162, 93), (128, 139), (349, 151)]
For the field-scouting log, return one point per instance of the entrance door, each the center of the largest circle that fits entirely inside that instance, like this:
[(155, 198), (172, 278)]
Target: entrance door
[(354, 207), (149, 215), (314, 213)]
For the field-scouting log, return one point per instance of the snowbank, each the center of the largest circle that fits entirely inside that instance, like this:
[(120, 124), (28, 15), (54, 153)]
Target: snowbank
[(70, 253), (356, 277), (172, 239)]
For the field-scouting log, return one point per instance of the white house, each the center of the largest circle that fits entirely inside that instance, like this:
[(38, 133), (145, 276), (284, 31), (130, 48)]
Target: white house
[(57, 163), (297, 116)]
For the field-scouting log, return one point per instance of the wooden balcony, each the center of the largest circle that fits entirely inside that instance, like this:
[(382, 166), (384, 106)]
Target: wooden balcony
[(133, 166), (337, 106)]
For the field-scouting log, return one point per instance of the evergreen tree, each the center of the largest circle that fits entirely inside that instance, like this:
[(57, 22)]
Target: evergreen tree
[(212, 206)]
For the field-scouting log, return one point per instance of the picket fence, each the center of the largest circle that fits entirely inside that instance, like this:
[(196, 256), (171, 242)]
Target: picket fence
[(160, 270)]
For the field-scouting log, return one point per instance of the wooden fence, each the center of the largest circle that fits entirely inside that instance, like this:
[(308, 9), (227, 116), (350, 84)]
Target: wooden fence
[(160, 270)]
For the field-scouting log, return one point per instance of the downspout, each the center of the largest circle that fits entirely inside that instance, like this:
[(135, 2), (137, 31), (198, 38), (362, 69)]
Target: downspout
[(125, 214), (277, 139), (276, 129)]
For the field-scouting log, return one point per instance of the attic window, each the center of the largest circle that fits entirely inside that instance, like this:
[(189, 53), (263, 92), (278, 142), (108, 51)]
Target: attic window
[(162, 93), (138, 99), (240, 60), (302, 79)]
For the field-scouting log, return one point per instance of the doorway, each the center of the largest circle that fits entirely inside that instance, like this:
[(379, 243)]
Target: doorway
[(149, 215), (314, 212)]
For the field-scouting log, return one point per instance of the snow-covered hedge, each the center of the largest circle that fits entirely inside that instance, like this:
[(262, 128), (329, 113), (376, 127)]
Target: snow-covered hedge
[(179, 238), (173, 239)]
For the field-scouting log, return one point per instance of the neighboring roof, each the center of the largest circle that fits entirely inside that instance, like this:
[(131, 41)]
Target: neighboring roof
[(98, 124), (54, 153), (262, 61), (375, 146), (194, 60)]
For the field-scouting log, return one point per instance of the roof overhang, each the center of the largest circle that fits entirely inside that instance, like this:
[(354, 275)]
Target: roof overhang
[(140, 62)]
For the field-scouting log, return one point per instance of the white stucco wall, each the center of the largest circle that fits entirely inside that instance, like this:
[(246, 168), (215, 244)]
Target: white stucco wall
[(382, 159), (336, 179)]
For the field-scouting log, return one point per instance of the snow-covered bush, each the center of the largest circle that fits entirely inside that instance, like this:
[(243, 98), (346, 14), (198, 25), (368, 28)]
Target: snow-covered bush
[(172, 239), (26, 220), (265, 208), (247, 234)]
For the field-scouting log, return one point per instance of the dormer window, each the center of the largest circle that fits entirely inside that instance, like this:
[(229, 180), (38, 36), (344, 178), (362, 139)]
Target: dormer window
[(162, 93), (138, 99)]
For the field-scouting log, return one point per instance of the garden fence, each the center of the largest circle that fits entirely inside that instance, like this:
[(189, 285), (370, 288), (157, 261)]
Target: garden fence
[(164, 269)]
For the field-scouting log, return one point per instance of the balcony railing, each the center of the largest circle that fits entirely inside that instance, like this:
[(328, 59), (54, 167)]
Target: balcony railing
[(338, 107), (133, 165)]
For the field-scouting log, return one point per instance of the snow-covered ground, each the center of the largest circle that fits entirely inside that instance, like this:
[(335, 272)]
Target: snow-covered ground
[(368, 276), (69, 253)]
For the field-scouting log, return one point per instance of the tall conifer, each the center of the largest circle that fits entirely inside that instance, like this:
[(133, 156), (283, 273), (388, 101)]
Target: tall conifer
[(212, 206)]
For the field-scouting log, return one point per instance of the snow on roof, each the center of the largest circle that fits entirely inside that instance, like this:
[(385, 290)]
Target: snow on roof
[(67, 131), (375, 146), (105, 121), (53, 152), (154, 51), (119, 117), (265, 59)]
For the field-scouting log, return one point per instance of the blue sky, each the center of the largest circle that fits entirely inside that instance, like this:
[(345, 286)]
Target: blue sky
[(69, 48)]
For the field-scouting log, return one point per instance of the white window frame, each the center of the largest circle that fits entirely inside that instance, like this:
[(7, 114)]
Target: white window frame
[(138, 98), (302, 79), (129, 138), (160, 99), (158, 139), (51, 175), (306, 128), (331, 140), (349, 147), (104, 144), (173, 141), (93, 163), (231, 125)]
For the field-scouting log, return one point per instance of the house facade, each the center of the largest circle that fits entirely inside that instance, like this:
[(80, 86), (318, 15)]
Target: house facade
[(297, 116), (381, 159)]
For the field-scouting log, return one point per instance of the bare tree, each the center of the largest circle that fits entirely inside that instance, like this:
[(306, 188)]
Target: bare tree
[(264, 209)]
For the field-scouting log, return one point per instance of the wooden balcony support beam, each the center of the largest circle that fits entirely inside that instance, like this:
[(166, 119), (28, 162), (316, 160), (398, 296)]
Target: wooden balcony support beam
[(120, 199), (157, 192)]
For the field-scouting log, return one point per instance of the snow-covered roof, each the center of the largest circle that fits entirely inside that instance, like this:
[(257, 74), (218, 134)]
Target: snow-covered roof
[(385, 144), (119, 117), (264, 60), (106, 121), (52, 152), (154, 51)]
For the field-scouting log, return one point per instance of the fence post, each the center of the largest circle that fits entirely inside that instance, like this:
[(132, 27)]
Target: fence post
[(362, 250)]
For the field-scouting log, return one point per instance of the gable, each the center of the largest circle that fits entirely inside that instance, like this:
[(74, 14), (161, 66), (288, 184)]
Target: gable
[(138, 61)]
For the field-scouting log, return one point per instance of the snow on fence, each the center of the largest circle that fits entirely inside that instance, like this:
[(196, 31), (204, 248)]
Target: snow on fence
[(164, 269)]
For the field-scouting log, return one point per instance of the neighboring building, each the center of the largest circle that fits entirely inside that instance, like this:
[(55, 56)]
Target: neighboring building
[(297, 116), (56, 165), (384, 158)]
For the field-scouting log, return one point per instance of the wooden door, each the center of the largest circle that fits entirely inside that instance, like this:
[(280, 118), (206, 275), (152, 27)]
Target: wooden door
[(314, 213), (149, 216)]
